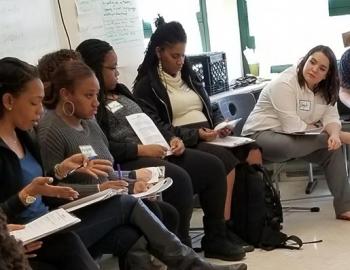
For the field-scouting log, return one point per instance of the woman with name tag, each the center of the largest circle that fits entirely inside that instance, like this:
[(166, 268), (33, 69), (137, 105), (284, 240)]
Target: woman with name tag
[(21, 93), (192, 171), (302, 98)]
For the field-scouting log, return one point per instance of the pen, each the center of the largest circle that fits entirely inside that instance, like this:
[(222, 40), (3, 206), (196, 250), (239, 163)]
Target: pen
[(73, 170), (119, 171)]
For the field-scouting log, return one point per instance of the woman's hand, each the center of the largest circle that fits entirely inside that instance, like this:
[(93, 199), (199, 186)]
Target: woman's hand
[(224, 132), (177, 146), (81, 163), (140, 186), (42, 186), (334, 142), (114, 184), (151, 150), (27, 248), (143, 175), (207, 134)]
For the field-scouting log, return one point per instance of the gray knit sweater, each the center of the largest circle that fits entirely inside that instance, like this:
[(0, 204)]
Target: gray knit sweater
[(58, 141)]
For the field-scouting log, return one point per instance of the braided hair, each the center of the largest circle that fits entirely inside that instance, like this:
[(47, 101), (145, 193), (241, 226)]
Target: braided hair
[(11, 253), (166, 34), (93, 52)]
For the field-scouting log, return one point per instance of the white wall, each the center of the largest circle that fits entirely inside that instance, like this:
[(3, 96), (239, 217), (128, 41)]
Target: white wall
[(285, 30)]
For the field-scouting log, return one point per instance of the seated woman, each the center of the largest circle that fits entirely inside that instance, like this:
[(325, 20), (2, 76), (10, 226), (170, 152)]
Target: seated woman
[(186, 168), (21, 93), (168, 90), (301, 98)]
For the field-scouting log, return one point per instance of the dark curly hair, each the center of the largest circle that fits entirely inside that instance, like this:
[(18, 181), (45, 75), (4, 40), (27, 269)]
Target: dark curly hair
[(48, 64), (11, 253)]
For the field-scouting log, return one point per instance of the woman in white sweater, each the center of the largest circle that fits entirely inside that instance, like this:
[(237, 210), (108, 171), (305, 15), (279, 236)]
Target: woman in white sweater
[(302, 98)]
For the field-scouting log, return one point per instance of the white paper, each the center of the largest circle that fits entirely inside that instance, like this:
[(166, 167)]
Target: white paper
[(156, 188), (157, 173), (231, 141), (146, 130), (91, 199), (53, 221), (312, 131), (227, 124)]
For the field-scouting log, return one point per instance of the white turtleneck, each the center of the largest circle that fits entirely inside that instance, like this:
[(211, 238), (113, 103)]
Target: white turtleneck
[(186, 104)]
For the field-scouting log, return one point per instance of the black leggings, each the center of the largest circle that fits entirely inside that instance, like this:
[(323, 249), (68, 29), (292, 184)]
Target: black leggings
[(194, 172)]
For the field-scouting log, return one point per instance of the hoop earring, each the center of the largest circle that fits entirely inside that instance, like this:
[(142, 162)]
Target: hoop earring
[(64, 108)]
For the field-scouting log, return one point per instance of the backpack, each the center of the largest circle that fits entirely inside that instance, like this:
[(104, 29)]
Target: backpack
[(256, 214)]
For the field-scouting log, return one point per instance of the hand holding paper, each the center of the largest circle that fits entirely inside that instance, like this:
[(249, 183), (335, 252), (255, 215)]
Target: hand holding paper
[(227, 124)]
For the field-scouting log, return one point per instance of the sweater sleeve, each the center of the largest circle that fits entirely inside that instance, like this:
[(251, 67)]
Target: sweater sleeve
[(52, 147)]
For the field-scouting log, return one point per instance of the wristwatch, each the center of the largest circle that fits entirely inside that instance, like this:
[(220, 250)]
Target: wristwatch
[(26, 198)]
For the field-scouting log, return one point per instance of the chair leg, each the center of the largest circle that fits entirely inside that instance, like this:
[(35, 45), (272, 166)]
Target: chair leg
[(312, 181), (345, 152)]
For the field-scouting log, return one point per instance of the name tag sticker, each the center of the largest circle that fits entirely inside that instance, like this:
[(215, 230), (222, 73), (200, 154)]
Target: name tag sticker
[(304, 105), (88, 151), (114, 106)]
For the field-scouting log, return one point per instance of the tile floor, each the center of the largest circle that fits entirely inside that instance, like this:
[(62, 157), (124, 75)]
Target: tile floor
[(333, 253)]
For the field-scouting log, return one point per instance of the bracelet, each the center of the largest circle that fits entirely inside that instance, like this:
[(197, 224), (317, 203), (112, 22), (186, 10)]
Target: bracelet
[(57, 169)]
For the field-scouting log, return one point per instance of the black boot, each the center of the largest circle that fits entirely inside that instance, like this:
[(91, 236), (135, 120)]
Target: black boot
[(234, 238), (167, 247), (138, 257), (216, 244)]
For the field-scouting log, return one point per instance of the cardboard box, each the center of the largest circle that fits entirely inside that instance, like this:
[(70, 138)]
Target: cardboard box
[(346, 39)]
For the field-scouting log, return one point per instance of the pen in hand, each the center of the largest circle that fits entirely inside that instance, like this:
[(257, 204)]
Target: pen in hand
[(75, 169)]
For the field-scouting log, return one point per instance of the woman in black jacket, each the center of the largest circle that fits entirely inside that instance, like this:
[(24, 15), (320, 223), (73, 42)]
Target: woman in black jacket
[(169, 91)]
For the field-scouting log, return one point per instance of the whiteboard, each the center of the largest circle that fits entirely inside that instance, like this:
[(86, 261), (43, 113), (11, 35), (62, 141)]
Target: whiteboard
[(28, 29), (119, 23)]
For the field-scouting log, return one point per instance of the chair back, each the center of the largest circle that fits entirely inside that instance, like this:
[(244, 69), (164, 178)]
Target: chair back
[(237, 106)]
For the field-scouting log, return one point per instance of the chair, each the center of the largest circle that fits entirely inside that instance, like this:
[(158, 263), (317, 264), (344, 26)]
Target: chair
[(237, 106)]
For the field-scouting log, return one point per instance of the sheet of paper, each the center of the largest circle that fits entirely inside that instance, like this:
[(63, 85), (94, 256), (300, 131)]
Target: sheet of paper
[(156, 188), (313, 131), (157, 173), (91, 199), (146, 130), (227, 124), (53, 221), (231, 141)]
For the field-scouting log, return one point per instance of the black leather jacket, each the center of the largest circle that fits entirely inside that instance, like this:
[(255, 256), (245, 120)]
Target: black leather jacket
[(154, 100)]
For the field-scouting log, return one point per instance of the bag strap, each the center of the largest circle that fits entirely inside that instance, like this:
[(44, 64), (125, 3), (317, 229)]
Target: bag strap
[(297, 243)]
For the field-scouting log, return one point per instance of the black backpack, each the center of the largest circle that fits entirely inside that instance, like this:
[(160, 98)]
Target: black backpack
[(256, 210)]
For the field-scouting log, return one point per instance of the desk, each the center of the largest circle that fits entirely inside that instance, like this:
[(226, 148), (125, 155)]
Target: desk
[(253, 88)]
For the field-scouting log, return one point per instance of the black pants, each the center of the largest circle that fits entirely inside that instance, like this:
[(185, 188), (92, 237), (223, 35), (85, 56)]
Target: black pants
[(194, 172), (63, 251)]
